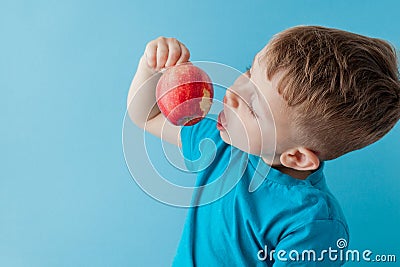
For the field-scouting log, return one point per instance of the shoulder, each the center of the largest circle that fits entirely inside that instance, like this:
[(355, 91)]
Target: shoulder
[(317, 204), (320, 222), (318, 237), (292, 205), (305, 200)]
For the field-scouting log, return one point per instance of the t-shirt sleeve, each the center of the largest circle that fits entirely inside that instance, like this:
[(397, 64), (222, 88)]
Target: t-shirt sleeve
[(186, 140), (318, 243), (199, 143)]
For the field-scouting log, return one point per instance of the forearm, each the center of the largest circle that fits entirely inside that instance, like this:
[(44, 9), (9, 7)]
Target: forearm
[(141, 100), (159, 53)]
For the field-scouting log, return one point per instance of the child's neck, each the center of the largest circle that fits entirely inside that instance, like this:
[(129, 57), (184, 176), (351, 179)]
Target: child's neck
[(289, 171), (302, 175)]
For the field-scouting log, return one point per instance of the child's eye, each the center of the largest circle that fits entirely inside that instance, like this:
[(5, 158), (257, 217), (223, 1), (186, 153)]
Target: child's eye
[(253, 113)]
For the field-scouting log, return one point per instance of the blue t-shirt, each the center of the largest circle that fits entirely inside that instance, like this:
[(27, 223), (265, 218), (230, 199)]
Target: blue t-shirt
[(281, 223)]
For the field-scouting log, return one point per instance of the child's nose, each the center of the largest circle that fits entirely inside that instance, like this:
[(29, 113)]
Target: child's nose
[(231, 99)]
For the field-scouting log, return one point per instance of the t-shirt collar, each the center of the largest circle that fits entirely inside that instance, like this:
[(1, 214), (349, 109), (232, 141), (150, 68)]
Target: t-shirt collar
[(270, 173)]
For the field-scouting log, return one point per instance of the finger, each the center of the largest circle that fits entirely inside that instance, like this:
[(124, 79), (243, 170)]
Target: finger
[(150, 54), (174, 52), (162, 53), (185, 54)]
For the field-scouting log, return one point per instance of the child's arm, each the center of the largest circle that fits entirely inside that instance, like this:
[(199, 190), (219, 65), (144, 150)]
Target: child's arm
[(141, 102)]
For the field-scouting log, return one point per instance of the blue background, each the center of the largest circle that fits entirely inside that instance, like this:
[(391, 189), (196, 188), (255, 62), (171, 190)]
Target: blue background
[(66, 195)]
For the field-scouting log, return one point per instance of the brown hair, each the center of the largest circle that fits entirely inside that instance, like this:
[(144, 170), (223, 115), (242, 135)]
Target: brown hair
[(342, 89)]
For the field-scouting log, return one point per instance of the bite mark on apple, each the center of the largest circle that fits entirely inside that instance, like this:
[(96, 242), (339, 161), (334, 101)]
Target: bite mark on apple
[(205, 102)]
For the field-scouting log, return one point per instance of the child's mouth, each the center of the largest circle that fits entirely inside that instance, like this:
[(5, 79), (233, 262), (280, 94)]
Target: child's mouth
[(221, 121)]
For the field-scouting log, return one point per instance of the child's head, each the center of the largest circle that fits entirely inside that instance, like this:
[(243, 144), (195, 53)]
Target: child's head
[(330, 92)]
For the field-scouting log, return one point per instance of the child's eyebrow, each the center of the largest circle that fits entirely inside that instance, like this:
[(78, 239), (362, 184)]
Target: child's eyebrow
[(260, 96), (260, 99)]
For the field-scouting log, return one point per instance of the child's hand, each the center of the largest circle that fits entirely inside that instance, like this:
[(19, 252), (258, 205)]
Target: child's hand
[(165, 52)]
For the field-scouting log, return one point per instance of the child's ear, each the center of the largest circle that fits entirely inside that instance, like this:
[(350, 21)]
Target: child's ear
[(300, 158)]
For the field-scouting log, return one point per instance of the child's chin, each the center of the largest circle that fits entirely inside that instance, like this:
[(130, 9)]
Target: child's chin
[(224, 137)]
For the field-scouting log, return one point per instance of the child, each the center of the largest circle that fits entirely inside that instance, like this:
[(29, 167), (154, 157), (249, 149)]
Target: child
[(322, 93)]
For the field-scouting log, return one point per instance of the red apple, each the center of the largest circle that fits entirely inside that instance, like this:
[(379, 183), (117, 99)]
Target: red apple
[(184, 94)]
